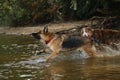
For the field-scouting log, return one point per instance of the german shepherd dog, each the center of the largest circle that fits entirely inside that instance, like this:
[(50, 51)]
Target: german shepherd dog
[(63, 42)]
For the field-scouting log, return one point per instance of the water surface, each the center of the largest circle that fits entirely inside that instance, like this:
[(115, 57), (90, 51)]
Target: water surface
[(18, 61)]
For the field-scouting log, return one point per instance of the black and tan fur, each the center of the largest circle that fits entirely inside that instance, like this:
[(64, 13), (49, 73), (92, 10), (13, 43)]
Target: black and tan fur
[(57, 43)]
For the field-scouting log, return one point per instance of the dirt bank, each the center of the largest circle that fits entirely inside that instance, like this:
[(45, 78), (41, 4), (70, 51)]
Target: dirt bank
[(52, 27)]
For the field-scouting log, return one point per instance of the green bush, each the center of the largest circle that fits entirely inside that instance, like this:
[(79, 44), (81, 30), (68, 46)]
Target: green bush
[(26, 12), (12, 14)]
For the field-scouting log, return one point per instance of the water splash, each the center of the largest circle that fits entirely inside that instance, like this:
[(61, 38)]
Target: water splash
[(33, 61), (109, 51)]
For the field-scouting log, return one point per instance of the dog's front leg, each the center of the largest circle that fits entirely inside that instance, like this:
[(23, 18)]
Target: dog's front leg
[(52, 55)]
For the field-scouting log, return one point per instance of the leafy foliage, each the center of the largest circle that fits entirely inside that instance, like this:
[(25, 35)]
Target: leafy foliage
[(24, 12), (12, 13)]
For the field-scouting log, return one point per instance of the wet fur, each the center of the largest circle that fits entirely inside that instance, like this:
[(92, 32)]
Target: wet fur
[(102, 36), (64, 43)]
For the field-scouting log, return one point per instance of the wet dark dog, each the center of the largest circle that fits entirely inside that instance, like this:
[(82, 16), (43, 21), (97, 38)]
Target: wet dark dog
[(108, 37), (57, 43)]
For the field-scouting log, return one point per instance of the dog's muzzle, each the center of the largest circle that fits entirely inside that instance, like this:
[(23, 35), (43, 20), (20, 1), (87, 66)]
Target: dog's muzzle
[(36, 36)]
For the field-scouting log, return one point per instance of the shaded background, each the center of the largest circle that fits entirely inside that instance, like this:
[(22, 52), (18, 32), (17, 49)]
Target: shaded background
[(34, 12)]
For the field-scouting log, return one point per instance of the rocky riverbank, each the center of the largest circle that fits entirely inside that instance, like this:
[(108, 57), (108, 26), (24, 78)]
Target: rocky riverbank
[(52, 27)]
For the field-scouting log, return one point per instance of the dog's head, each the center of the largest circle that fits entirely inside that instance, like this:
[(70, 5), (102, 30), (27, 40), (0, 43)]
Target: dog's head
[(86, 32), (44, 34), (36, 35)]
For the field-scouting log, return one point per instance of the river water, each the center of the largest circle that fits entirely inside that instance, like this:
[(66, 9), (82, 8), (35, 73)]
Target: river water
[(18, 61)]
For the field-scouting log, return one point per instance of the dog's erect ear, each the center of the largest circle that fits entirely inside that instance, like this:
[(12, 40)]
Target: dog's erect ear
[(45, 30)]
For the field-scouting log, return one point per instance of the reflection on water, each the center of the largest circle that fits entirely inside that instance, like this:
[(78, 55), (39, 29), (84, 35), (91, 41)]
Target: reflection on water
[(84, 70), (19, 62)]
